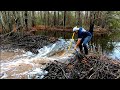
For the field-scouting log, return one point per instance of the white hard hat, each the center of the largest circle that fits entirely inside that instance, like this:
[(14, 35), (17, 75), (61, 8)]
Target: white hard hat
[(75, 29)]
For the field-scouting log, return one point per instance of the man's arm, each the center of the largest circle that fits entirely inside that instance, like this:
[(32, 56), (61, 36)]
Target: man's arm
[(78, 43)]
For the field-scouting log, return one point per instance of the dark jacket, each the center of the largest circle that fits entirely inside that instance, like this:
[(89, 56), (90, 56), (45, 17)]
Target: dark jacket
[(83, 33)]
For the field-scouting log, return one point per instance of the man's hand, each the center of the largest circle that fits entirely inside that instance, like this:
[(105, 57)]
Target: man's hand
[(75, 48), (77, 44)]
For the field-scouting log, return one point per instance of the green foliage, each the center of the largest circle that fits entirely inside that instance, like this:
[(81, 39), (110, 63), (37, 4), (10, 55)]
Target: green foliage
[(113, 19), (70, 19), (38, 20)]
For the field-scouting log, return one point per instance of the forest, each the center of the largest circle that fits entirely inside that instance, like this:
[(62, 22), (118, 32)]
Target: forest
[(40, 45), (24, 20)]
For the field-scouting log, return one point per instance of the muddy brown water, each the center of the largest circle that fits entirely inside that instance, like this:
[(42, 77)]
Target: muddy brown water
[(8, 55), (15, 66)]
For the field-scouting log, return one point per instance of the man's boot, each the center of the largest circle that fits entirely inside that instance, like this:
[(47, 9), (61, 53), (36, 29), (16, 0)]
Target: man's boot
[(85, 49)]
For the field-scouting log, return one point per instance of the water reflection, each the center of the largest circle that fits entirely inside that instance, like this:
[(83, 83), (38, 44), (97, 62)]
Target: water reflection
[(115, 50), (108, 45)]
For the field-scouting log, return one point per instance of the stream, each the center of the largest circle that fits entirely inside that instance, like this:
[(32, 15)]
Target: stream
[(19, 64)]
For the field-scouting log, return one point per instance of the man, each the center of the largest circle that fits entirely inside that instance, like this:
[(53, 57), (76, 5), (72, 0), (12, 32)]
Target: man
[(83, 38)]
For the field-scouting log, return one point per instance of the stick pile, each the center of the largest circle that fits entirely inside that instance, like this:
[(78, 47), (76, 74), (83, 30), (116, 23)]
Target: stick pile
[(27, 42), (83, 68)]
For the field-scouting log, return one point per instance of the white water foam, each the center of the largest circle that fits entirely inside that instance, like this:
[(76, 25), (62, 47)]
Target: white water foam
[(29, 58)]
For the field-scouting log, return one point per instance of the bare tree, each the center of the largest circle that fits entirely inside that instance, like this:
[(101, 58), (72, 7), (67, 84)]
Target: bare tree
[(2, 22), (26, 20), (48, 17), (33, 18), (9, 21), (54, 18), (45, 19), (75, 17), (92, 21), (58, 19), (64, 19), (79, 23)]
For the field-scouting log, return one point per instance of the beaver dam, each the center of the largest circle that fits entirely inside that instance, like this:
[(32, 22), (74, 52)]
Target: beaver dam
[(45, 57)]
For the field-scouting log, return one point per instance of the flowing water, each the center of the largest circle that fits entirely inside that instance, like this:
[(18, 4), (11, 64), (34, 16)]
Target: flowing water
[(18, 64)]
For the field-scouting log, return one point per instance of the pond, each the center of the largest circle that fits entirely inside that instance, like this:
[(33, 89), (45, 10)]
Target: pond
[(104, 44)]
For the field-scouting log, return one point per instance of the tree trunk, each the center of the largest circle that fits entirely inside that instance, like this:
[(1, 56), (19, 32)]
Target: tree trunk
[(103, 20), (2, 22), (15, 20), (9, 22), (58, 19), (92, 20), (22, 18), (45, 19), (26, 20), (54, 18), (5, 20), (75, 17), (41, 18), (18, 23), (64, 19), (64, 22), (79, 19), (33, 18), (99, 18), (48, 18)]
